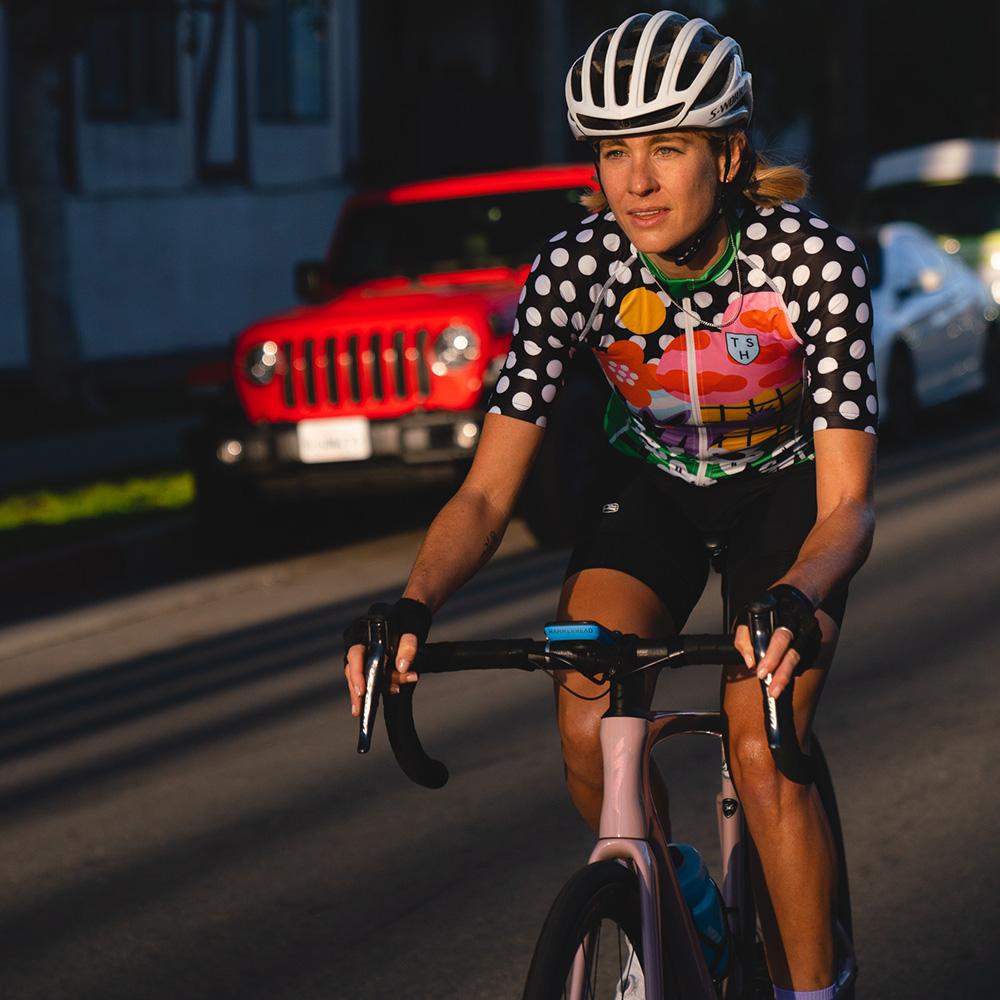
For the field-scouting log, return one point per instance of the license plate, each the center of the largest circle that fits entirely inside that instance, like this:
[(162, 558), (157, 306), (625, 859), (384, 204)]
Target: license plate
[(337, 439)]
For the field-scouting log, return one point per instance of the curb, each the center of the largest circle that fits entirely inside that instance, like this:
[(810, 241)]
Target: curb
[(33, 584)]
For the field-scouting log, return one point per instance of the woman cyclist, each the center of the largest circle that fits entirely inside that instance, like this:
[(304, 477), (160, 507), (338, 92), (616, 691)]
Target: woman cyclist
[(734, 329)]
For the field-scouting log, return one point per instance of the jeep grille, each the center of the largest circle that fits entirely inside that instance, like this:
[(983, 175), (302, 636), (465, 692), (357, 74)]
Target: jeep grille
[(356, 367)]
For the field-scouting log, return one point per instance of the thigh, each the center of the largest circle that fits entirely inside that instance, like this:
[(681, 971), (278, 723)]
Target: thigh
[(764, 542), (742, 700), (620, 602)]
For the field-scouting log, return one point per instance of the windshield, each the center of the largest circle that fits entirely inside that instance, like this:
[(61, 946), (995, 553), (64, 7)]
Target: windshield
[(967, 209), (456, 234)]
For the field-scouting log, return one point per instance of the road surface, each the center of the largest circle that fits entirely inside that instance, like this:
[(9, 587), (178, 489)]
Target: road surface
[(184, 815)]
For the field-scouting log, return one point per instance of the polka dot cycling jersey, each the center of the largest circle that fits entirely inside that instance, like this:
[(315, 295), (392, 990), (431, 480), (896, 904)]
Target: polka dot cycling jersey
[(792, 355)]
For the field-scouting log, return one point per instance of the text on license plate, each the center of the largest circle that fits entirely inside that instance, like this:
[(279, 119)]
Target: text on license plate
[(335, 439)]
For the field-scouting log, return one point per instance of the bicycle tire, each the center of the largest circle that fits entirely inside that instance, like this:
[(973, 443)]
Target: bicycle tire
[(604, 891), (824, 785)]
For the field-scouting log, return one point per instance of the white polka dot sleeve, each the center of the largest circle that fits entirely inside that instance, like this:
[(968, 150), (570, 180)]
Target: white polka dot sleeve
[(832, 298), (552, 310)]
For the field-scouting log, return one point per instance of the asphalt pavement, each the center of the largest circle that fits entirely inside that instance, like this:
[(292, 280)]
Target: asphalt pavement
[(185, 816)]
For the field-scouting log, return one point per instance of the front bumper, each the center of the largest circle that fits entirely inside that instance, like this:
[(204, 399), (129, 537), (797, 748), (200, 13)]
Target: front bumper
[(409, 452)]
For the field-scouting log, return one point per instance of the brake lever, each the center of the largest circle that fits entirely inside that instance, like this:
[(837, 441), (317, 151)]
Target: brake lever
[(779, 720), (761, 624), (375, 679)]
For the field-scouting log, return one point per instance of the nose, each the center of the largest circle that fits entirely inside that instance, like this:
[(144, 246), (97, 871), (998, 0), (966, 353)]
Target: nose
[(641, 180)]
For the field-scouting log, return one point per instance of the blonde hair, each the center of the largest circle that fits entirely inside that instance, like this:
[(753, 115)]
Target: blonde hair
[(768, 185)]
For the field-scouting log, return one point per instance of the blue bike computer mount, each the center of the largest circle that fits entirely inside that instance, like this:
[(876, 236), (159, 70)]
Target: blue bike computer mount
[(592, 631)]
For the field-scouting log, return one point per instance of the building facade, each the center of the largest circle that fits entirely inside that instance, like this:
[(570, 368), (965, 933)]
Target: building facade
[(204, 149)]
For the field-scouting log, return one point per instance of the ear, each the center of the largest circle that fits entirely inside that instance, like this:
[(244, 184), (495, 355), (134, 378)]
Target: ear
[(737, 142)]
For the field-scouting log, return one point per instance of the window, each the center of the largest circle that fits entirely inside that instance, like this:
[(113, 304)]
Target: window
[(291, 61), (131, 66)]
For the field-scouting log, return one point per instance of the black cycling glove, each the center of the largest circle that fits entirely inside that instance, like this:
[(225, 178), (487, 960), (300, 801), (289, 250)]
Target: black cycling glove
[(403, 617), (796, 613)]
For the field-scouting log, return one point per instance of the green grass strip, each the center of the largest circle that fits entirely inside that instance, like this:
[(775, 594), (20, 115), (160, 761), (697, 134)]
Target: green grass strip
[(163, 492)]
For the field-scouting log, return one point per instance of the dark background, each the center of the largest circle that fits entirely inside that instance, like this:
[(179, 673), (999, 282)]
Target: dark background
[(864, 77)]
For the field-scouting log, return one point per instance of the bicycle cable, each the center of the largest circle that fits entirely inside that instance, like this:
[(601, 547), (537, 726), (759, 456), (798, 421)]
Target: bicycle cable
[(565, 686), (597, 697)]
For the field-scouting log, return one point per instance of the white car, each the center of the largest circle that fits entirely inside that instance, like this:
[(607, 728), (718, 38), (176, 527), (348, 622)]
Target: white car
[(935, 327)]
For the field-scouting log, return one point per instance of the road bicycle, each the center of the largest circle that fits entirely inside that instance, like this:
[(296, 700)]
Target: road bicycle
[(625, 906)]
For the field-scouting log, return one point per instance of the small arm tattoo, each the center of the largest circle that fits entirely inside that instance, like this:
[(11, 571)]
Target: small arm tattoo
[(490, 545)]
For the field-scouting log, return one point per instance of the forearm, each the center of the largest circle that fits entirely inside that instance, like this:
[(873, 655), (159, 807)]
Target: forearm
[(834, 550), (460, 540)]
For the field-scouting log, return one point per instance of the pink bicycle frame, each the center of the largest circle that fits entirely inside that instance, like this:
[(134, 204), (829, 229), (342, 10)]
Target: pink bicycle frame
[(629, 830)]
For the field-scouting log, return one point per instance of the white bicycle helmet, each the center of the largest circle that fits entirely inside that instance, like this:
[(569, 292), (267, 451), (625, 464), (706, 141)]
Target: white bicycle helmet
[(658, 71)]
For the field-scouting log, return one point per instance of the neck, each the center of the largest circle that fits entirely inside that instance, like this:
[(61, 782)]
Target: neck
[(708, 253)]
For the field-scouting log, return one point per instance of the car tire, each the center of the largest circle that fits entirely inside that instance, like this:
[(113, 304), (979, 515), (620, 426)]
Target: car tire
[(904, 406)]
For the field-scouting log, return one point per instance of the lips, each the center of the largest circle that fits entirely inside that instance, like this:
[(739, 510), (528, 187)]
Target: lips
[(648, 217)]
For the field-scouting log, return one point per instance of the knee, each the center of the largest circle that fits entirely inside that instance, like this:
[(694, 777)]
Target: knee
[(762, 788), (580, 732)]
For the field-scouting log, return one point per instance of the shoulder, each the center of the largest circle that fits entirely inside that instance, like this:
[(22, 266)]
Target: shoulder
[(789, 232), (805, 254)]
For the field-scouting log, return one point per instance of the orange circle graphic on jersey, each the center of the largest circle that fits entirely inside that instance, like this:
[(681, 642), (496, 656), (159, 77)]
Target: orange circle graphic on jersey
[(642, 312)]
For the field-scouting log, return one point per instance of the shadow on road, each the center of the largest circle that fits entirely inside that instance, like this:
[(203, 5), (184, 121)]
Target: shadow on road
[(177, 550)]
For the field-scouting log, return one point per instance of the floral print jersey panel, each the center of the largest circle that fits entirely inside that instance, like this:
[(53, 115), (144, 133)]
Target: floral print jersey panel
[(724, 375)]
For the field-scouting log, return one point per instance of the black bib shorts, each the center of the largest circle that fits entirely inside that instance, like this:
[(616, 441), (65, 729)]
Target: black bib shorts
[(653, 526)]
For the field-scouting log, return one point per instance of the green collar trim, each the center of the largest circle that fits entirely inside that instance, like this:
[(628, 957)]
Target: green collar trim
[(677, 287)]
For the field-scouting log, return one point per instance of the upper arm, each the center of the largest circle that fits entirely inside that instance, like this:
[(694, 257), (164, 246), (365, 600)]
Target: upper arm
[(836, 326), (845, 469), (503, 460)]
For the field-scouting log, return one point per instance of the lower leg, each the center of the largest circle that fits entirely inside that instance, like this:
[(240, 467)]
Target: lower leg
[(795, 885)]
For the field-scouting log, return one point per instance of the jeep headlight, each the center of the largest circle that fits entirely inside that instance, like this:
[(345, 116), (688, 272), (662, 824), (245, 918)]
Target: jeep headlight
[(456, 346), (261, 362)]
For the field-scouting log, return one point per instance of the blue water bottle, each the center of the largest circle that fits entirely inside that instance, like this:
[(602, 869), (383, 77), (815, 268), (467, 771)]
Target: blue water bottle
[(705, 904)]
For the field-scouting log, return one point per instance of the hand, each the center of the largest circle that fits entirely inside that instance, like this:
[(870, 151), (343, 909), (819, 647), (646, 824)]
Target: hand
[(354, 669), (794, 642), (410, 620), (780, 660)]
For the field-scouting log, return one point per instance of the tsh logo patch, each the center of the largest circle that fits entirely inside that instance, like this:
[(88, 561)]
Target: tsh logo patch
[(742, 347)]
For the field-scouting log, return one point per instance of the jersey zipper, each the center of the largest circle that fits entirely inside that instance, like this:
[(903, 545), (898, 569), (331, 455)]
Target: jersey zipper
[(692, 373)]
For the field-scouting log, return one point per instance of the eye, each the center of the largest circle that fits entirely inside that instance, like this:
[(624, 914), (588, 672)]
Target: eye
[(612, 154)]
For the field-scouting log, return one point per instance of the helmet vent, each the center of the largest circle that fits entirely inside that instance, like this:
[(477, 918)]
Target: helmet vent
[(576, 80), (625, 56), (652, 119), (712, 90), (698, 51), (659, 54), (597, 68)]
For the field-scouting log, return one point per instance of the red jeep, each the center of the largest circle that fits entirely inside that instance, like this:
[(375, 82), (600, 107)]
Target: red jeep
[(379, 382)]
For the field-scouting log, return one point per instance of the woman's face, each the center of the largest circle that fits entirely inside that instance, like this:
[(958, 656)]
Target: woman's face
[(661, 187)]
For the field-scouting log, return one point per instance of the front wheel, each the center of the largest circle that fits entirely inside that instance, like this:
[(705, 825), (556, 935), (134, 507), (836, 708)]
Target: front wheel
[(824, 784), (596, 911)]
